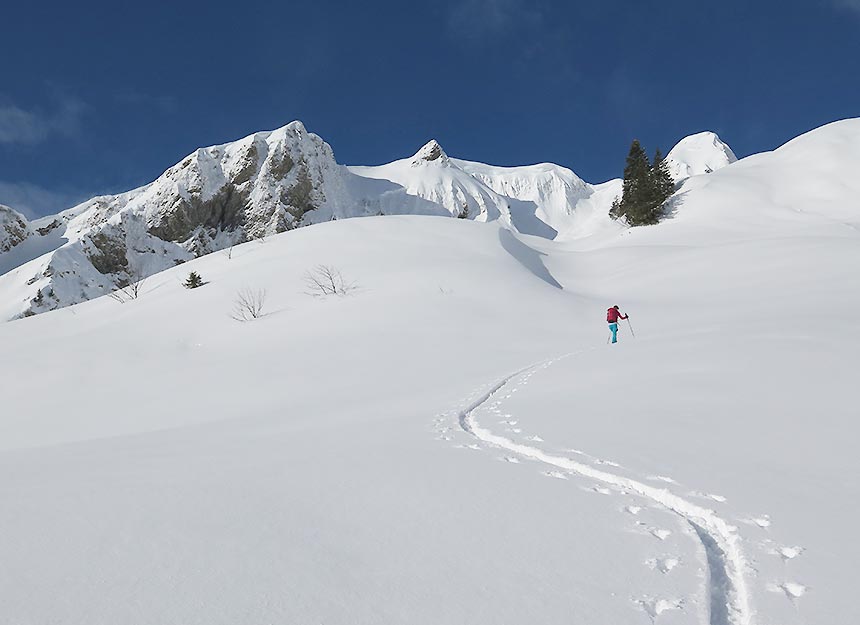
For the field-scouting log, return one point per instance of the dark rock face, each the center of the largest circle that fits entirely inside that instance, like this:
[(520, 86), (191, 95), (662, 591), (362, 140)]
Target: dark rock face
[(224, 211), (110, 256), (280, 165), (13, 229), (433, 152), (247, 166), (299, 198), (49, 228)]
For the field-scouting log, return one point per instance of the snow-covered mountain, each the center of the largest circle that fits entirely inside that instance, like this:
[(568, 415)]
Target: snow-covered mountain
[(455, 442), (432, 175), (701, 153), (219, 196), (270, 182), (14, 228)]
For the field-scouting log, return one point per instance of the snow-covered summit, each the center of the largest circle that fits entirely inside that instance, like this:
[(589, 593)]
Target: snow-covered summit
[(431, 152), (701, 153), (430, 174)]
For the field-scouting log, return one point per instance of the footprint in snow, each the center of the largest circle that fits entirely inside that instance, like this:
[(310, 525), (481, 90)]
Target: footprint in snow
[(792, 590), (511, 459), (788, 553), (655, 607), (536, 439), (472, 446), (556, 474), (608, 463), (601, 490), (664, 565), (661, 534), (762, 521), (514, 430), (633, 509)]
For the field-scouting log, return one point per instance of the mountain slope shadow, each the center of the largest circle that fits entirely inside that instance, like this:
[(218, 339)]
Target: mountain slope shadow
[(526, 256)]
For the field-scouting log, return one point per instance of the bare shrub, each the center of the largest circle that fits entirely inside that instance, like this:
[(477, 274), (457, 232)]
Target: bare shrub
[(248, 304), (131, 290), (325, 280)]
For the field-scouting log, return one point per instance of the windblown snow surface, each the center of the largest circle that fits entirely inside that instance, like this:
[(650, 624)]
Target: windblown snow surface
[(454, 441)]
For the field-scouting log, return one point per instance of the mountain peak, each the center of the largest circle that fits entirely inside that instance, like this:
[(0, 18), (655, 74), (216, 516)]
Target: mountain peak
[(700, 153), (431, 151)]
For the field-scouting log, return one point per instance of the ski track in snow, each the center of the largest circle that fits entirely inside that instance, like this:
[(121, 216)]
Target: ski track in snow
[(729, 601)]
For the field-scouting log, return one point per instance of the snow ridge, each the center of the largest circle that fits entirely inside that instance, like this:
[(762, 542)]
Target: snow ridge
[(727, 587)]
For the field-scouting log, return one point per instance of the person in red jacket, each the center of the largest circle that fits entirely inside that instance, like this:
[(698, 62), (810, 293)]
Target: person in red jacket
[(612, 317)]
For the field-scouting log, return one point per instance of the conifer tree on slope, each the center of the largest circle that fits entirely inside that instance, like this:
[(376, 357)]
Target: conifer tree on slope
[(646, 188), (663, 182), (637, 187)]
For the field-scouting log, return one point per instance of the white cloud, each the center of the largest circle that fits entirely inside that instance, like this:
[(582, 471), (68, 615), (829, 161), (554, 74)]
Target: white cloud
[(34, 201), (20, 126)]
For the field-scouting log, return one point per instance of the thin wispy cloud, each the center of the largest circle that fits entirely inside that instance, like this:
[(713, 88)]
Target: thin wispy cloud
[(853, 5), (30, 127), (34, 201)]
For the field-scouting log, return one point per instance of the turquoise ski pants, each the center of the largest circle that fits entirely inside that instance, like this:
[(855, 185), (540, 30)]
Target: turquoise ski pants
[(613, 327)]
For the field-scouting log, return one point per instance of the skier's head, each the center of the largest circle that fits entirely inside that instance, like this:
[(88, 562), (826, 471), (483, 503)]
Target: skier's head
[(615, 307)]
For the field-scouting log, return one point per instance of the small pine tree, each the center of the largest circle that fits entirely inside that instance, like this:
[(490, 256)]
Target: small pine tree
[(193, 281)]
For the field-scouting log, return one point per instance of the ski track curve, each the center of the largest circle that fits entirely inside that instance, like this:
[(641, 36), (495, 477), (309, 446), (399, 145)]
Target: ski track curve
[(729, 600)]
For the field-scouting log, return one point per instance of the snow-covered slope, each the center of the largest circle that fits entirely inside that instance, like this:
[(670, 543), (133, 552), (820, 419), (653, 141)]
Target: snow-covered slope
[(697, 154), (454, 442)]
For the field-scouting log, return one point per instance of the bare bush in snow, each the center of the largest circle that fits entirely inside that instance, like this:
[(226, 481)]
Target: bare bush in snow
[(248, 304), (324, 280), (131, 290)]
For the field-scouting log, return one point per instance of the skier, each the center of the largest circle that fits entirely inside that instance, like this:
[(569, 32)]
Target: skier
[(612, 317)]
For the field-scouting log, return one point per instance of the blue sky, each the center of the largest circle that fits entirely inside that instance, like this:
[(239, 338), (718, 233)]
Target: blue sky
[(101, 97)]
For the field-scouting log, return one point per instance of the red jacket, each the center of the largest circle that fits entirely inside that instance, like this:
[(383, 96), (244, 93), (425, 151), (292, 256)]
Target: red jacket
[(612, 315)]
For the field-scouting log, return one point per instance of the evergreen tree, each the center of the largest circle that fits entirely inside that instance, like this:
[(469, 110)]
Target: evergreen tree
[(637, 187), (193, 281), (646, 188), (663, 182)]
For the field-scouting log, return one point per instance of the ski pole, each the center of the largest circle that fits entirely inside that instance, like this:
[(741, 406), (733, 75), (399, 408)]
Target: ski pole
[(630, 325)]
